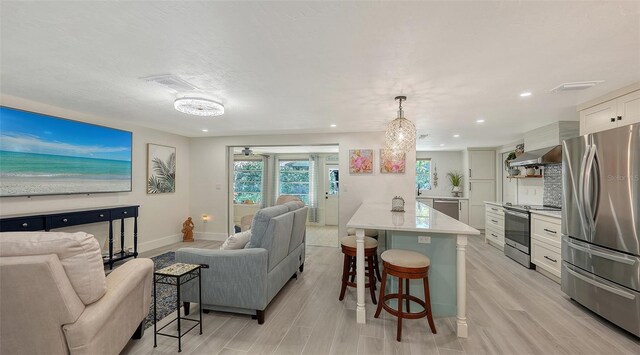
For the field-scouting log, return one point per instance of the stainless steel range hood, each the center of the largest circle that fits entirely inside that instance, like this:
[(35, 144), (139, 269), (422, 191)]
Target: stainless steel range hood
[(551, 155)]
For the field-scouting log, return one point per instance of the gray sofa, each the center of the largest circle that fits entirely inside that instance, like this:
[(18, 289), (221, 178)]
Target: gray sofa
[(246, 280)]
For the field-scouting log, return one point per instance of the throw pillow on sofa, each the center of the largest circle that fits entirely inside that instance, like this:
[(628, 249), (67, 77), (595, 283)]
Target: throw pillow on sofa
[(236, 241)]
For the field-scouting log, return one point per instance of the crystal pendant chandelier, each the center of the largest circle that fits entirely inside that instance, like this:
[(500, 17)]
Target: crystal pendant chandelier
[(400, 136)]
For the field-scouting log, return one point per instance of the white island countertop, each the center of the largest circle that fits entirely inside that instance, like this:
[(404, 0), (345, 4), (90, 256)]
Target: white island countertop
[(418, 218)]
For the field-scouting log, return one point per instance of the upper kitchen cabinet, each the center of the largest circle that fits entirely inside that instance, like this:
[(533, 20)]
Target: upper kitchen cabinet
[(619, 108), (482, 164)]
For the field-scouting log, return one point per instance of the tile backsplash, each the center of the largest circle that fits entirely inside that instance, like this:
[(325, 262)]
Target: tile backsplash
[(552, 194)]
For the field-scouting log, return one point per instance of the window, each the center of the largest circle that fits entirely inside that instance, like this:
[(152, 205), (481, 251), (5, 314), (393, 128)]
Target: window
[(334, 181), (247, 181), (294, 178), (423, 174)]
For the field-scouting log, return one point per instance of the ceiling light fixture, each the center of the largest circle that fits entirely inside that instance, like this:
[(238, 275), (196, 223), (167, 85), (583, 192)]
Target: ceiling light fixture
[(442, 144), (480, 121), (525, 94), (333, 125), (205, 130), (456, 135), (198, 106), (401, 133)]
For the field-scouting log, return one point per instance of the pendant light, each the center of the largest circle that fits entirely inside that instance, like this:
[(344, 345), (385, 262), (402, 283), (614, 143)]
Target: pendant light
[(400, 136)]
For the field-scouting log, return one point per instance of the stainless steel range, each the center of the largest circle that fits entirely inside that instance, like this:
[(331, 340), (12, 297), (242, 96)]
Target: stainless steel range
[(517, 231)]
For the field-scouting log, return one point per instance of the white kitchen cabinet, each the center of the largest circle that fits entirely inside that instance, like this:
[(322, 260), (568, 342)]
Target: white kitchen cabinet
[(463, 215), (480, 191), (482, 164), (546, 245), (629, 108), (480, 182), (494, 228), (621, 111)]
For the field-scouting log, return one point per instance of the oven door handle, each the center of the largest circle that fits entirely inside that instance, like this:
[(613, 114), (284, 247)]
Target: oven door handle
[(517, 214)]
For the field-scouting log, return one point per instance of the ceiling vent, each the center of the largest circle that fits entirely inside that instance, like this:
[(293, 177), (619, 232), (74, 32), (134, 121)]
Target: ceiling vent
[(172, 82), (576, 86)]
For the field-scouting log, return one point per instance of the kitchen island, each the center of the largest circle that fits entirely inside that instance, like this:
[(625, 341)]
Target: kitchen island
[(423, 229)]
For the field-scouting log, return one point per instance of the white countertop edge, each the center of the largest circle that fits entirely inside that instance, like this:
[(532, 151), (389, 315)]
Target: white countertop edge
[(494, 203), (419, 230), (441, 198), (552, 214)]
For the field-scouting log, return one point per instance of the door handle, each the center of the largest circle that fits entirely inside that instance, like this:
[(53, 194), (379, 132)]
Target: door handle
[(613, 119), (469, 185), (326, 197), (469, 173), (619, 118)]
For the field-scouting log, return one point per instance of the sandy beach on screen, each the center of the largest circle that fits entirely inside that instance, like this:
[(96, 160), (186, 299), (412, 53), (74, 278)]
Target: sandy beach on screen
[(20, 186)]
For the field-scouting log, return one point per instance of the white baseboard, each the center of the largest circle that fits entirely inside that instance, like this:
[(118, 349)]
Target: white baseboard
[(221, 237), (160, 242)]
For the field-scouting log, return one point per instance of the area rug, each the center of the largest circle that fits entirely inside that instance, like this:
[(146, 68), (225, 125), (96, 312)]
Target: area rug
[(167, 297)]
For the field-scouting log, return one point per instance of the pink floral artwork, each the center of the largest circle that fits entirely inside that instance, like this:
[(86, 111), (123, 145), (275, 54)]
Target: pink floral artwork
[(392, 163), (361, 161)]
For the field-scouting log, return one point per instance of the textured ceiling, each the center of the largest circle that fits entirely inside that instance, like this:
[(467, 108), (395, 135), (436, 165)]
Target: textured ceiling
[(293, 67)]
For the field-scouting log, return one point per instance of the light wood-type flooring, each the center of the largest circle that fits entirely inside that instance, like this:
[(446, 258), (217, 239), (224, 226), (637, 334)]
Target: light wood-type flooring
[(511, 310)]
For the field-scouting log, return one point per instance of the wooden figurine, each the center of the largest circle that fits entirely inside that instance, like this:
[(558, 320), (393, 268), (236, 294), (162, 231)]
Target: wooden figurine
[(187, 230)]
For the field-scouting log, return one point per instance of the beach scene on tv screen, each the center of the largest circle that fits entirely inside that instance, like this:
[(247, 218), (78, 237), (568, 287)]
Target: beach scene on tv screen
[(45, 155)]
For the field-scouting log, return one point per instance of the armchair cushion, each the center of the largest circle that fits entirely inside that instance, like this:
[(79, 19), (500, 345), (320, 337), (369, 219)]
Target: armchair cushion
[(79, 254)]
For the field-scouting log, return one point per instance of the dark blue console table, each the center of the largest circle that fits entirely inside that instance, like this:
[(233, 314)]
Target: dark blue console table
[(51, 220)]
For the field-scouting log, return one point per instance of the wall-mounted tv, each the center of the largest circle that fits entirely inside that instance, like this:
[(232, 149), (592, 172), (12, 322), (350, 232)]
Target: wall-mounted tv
[(45, 155)]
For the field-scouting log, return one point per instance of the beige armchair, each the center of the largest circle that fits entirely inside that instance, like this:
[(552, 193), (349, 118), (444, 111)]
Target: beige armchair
[(55, 298)]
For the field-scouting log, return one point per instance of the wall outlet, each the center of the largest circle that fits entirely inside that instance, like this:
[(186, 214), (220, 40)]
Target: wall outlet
[(424, 239)]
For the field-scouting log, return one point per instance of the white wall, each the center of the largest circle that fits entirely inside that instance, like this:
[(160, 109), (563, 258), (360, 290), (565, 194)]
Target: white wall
[(209, 192), (161, 216), (506, 189), (443, 162)]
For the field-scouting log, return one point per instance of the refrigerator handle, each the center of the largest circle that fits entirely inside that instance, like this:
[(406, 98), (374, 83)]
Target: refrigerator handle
[(586, 188)]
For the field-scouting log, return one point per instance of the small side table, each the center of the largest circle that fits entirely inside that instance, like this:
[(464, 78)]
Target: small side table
[(177, 275)]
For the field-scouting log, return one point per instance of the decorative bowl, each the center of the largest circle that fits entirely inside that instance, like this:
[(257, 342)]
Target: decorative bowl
[(514, 172)]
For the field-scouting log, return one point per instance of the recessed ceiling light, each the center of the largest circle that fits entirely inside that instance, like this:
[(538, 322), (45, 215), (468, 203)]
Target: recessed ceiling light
[(333, 125), (442, 145), (525, 94), (456, 135), (480, 121), (205, 130)]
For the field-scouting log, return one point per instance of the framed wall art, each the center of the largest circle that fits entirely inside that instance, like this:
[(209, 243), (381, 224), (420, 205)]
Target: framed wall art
[(161, 169)]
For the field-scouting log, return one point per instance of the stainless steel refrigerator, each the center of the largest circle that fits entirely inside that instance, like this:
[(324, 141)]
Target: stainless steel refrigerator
[(601, 224)]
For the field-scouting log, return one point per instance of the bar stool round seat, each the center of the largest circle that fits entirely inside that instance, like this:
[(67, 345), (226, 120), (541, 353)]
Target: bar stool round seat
[(406, 265), (367, 232), (405, 258), (350, 241), (349, 249)]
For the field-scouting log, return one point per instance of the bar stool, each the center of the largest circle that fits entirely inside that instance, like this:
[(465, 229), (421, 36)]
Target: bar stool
[(348, 245), (405, 265)]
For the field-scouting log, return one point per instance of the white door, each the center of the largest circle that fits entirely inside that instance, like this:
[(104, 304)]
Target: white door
[(331, 191)]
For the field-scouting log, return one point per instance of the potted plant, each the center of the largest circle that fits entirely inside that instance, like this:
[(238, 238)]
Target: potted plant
[(455, 178), (512, 171)]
